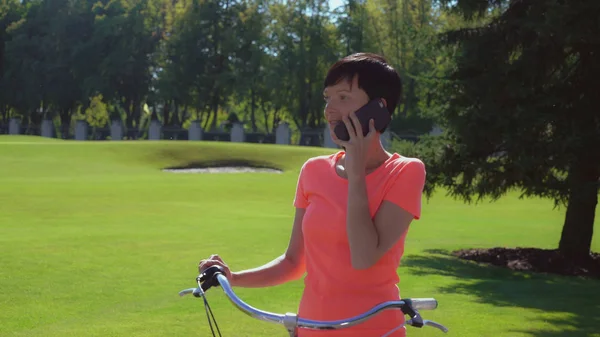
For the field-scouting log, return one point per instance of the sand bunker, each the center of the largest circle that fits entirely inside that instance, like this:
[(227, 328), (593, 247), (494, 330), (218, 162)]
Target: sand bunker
[(223, 169), (224, 166)]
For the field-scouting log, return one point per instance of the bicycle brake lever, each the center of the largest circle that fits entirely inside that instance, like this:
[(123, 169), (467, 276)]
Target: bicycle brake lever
[(186, 291), (197, 292), (435, 325)]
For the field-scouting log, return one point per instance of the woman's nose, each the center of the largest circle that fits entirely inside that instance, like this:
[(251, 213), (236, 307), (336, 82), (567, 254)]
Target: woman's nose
[(329, 109)]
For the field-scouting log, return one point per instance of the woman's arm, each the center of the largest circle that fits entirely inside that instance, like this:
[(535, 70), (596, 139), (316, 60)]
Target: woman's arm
[(369, 238), (287, 267)]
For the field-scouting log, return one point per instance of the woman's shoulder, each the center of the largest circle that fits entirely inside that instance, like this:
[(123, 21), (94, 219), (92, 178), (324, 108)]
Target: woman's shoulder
[(399, 163), (319, 162)]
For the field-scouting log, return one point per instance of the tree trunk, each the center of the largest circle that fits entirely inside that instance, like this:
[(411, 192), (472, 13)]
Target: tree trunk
[(65, 123), (253, 110), (4, 114), (167, 112), (410, 95), (174, 119), (128, 113), (265, 114), (215, 109), (576, 238)]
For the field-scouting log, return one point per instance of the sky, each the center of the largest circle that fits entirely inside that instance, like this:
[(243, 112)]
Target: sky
[(335, 3)]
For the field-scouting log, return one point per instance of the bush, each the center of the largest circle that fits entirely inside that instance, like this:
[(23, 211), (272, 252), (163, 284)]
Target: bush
[(429, 150)]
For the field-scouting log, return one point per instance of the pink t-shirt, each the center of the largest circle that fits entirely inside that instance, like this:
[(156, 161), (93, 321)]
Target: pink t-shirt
[(333, 289)]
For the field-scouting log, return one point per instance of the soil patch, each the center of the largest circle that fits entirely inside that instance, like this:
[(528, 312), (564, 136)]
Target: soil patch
[(534, 260), (223, 166)]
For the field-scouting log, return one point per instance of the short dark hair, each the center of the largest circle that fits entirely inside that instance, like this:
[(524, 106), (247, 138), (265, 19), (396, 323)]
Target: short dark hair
[(375, 76)]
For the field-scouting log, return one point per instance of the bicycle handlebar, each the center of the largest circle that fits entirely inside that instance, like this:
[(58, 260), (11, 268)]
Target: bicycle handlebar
[(215, 276)]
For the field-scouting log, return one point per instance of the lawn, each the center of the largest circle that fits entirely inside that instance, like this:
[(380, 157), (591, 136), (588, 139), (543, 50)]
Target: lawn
[(97, 241)]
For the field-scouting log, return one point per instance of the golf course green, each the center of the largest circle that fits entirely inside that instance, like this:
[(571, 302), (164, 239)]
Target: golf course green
[(97, 240)]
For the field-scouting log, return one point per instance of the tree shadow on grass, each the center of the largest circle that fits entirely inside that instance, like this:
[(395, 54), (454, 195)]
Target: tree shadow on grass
[(577, 299)]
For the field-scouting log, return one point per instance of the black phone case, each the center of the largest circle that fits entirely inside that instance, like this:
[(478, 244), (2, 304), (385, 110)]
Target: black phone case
[(375, 109)]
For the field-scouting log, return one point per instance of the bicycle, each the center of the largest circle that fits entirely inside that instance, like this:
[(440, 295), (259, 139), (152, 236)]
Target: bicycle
[(215, 276)]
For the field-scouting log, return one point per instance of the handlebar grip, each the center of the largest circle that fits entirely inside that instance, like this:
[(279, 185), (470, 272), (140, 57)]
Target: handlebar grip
[(206, 285), (208, 278), (422, 303)]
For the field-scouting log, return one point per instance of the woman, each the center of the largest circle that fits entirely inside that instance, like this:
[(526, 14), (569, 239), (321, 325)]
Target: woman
[(353, 210)]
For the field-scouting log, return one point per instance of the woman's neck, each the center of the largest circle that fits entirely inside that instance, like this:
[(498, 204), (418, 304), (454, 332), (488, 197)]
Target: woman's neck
[(376, 157)]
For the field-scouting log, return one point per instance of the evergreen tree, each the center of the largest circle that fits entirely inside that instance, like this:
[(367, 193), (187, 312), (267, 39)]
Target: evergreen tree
[(523, 109)]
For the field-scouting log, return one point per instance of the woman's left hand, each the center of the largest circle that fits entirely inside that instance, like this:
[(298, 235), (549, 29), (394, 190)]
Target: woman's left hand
[(357, 147)]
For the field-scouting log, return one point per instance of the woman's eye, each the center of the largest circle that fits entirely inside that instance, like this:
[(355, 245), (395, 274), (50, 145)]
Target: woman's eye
[(343, 97)]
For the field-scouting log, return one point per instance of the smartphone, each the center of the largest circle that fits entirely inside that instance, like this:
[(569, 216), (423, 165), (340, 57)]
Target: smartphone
[(375, 109)]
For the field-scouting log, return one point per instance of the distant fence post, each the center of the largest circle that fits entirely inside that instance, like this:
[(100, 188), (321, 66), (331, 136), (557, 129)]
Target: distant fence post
[(436, 131), (283, 134), (47, 128), (81, 130), (237, 133), (327, 140), (154, 131), (116, 130), (195, 131), (14, 126), (386, 139)]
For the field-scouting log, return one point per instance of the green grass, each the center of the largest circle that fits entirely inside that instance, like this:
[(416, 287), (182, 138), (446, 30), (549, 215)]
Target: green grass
[(95, 240)]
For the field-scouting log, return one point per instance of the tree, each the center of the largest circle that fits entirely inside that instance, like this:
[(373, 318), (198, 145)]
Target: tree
[(11, 11), (303, 46), (523, 111), (126, 35), (402, 31)]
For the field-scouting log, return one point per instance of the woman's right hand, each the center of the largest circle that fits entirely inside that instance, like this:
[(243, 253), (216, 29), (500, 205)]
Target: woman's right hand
[(214, 260)]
